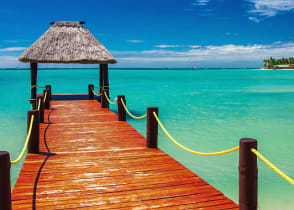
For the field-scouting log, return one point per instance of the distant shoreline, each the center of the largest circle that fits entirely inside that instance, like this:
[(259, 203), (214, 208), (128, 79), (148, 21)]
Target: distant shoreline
[(16, 69), (277, 69)]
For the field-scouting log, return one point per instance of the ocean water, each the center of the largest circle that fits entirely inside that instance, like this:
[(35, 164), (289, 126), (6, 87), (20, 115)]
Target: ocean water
[(205, 110)]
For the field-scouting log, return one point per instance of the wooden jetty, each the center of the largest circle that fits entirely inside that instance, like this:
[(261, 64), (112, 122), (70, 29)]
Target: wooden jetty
[(83, 156), (88, 159)]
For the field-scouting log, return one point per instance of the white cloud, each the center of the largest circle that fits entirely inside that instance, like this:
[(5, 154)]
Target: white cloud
[(254, 19), (11, 49), (212, 53), (201, 2), (167, 46), (8, 61), (270, 8), (135, 41), (16, 41), (8, 58), (231, 34), (194, 46)]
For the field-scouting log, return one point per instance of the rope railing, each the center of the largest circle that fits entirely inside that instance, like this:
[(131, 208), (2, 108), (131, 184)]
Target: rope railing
[(26, 142), (96, 94), (107, 98), (37, 86), (133, 116), (39, 104), (189, 150), (272, 166), (153, 140), (45, 97)]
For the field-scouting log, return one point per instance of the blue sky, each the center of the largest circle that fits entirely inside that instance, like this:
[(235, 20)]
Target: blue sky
[(161, 33)]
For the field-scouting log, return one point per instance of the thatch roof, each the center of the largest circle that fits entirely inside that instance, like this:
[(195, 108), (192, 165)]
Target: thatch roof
[(67, 42)]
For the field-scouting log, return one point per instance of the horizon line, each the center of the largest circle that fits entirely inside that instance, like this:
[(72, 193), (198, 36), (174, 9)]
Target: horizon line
[(132, 68)]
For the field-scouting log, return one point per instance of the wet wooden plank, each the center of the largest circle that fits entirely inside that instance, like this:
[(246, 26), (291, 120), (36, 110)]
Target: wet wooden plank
[(96, 162)]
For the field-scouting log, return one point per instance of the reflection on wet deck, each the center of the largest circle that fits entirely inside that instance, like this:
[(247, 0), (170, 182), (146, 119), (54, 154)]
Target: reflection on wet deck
[(90, 160)]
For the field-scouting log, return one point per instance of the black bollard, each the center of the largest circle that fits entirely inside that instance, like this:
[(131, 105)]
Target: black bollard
[(41, 108), (247, 175), (104, 102), (152, 128), (90, 91), (5, 186), (48, 87), (33, 146), (120, 109), (46, 94)]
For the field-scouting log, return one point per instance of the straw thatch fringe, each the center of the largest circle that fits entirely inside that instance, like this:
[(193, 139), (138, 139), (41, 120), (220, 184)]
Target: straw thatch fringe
[(67, 42)]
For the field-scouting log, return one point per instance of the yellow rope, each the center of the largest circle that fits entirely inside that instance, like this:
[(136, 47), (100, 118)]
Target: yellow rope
[(189, 150), (133, 116), (45, 97), (39, 105), (106, 96), (96, 94), (26, 143), (278, 171), (33, 86)]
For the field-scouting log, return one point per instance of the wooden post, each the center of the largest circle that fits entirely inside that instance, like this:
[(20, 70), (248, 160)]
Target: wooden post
[(104, 102), (47, 100), (120, 109), (48, 87), (152, 128), (5, 186), (100, 78), (105, 75), (33, 146), (41, 108), (34, 67), (247, 175), (91, 95)]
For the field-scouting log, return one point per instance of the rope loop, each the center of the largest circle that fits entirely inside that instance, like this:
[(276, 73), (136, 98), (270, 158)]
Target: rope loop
[(133, 116), (96, 94), (45, 97), (39, 104), (106, 96), (37, 86), (272, 166), (26, 142), (189, 150)]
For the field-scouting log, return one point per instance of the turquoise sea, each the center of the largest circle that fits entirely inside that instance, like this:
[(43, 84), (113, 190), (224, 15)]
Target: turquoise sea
[(205, 110)]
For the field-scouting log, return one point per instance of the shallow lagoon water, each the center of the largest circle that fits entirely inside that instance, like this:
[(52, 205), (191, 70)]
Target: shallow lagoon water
[(205, 110)]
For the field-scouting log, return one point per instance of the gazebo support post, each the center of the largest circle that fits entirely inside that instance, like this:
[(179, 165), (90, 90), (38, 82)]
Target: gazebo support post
[(101, 78), (105, 76), (33, 99)]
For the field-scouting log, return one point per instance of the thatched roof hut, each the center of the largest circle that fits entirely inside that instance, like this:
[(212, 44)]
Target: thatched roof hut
[(67, 42)]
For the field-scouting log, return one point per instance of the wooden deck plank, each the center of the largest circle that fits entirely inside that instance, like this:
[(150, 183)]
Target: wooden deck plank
[(97, 162)]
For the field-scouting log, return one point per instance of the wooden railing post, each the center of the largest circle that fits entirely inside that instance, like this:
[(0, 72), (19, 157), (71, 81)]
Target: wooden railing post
[(152, 128), (247, 175), (120, 109), (34, 71), (41, 108), (48, 87), (33, 146), (91, 95), (5, 186), (104, 102), (47, 100)]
